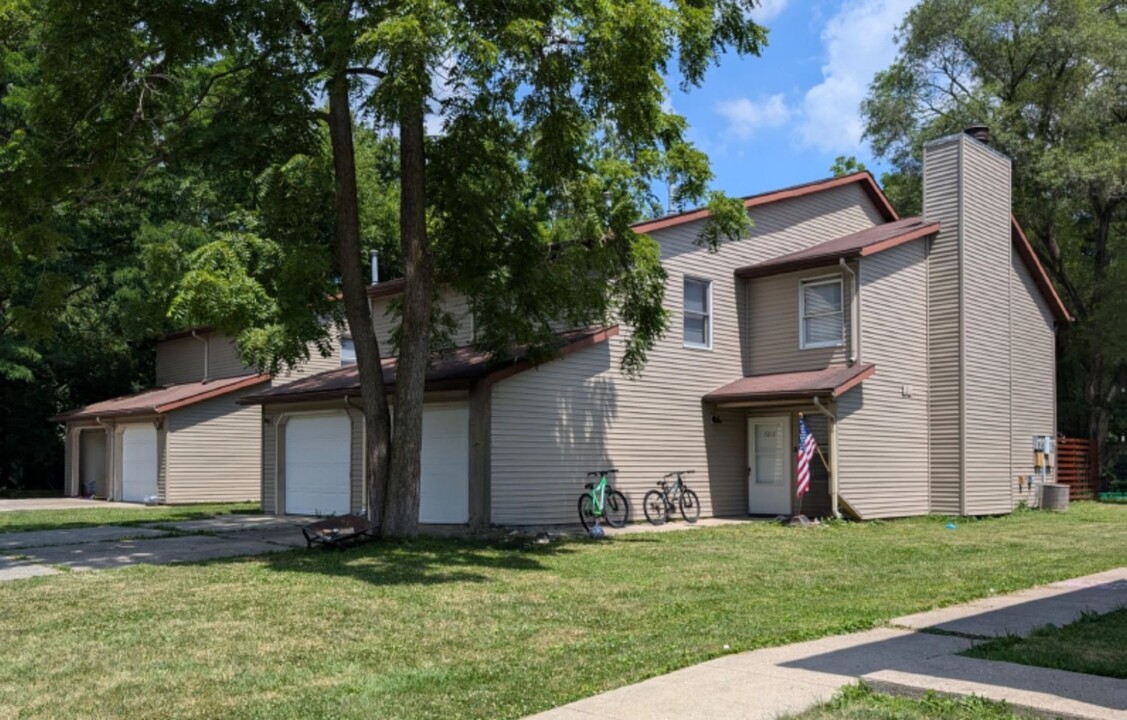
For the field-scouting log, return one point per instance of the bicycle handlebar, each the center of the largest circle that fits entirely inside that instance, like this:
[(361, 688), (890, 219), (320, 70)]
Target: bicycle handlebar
[(678, 473), (600, 473)]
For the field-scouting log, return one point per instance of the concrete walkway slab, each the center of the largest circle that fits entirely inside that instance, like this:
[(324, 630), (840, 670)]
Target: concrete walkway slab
[(1044, 691), (764, 684), (13, 569), (156, 551), (69, 503), (1022, 612), (73, 536), (234, 523)]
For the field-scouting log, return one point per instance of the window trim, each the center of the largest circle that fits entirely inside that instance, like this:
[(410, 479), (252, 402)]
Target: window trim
[(707, 315), (804, 283)]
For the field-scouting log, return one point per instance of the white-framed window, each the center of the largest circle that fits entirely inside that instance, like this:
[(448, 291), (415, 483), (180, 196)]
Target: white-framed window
[(347, 351), (820, 313), (697, 312)]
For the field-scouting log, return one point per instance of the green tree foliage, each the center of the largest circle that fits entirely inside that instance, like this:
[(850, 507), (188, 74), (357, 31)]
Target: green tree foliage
[(846, 165), (552, 132), (1048, 79)]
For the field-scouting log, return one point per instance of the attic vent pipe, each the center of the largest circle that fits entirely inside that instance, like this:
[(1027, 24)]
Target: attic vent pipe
[(375, 267), (980, 133)]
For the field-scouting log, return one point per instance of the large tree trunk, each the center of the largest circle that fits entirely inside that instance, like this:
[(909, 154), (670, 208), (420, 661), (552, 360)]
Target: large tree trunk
[(354, 286), (401, 511)]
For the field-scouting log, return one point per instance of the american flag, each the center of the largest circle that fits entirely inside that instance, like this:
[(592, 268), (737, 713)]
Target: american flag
[(806, 447)]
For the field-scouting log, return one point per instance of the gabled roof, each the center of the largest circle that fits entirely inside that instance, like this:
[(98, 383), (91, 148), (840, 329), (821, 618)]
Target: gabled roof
[(158, 401), (859, 244), (863, 179), (454, 372), (1037, 270), (831, 382)]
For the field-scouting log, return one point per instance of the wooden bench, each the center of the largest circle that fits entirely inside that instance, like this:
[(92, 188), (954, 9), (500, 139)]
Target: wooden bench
[(338, 531)]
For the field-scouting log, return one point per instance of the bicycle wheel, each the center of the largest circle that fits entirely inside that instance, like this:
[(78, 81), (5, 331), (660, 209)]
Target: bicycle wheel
[(587, 511), (654, 507), (690, 506), (617, 510)]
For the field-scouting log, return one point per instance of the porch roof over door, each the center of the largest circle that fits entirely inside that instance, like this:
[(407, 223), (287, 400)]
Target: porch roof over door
[(828, 383)]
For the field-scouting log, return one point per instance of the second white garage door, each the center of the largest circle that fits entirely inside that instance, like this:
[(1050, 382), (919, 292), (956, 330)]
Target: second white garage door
[(138, 463), (317, 465), (444, 492)]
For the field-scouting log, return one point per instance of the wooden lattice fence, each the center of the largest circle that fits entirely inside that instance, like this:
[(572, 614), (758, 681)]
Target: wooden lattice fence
[(1076, 467)]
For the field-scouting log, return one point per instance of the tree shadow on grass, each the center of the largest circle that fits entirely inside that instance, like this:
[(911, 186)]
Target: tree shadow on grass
[(421, 561)]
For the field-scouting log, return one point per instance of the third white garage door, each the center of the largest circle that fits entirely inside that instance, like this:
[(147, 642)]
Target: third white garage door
[(444, 492), (317, 465)]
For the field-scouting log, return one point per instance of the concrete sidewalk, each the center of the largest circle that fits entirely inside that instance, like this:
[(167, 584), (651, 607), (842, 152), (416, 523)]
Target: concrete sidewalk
[(908, 658)]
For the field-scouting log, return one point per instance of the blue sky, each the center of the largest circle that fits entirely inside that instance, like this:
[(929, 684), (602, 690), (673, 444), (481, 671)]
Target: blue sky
[(782, 118)]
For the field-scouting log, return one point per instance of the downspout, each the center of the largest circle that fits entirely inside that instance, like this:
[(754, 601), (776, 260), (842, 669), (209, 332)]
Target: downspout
[(206, 345), (833, 455), (853, 313), (277, 452)]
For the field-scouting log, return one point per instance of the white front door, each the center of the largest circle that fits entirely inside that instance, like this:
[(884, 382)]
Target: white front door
[(318, 457), (444, 489), (138, 463), (769, 466)]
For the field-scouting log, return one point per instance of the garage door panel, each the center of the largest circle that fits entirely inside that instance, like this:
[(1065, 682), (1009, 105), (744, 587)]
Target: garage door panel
[(317, 465), (138, 463), (444, 495)]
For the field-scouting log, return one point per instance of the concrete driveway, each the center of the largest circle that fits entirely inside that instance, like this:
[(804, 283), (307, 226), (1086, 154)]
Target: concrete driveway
[(46, 552)]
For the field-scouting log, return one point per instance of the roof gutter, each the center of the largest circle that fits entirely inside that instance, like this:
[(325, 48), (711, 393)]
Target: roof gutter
[(833, 455), (206, 346)]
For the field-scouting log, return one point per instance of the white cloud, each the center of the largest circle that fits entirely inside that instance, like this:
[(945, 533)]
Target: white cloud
[(858, 43), (768, 10), (746, 117)]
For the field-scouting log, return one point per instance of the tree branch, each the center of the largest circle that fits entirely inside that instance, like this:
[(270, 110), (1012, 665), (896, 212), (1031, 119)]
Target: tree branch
[(371, 72)]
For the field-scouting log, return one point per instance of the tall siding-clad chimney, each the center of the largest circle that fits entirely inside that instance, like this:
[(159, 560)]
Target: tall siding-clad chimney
[(375, 267), (967, 189)]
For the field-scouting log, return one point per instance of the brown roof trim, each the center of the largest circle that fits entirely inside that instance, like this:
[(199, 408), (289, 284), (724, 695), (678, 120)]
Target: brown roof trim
[(199, 329), (866, 180), (518, 367), (1037, 270), (812, 257), (387, 288), (804, 384), (210, 393)]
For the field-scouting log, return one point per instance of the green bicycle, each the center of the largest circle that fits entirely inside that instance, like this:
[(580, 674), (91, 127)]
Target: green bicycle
[(602, 501), (658, 504)]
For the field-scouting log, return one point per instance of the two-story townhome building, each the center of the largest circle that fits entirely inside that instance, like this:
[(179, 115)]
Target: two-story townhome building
[(920, 351), (186, 439)]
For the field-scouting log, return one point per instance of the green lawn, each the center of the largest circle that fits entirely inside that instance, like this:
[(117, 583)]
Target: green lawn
[(1095, 644), (442, 628), (24, 520), (858, 703)]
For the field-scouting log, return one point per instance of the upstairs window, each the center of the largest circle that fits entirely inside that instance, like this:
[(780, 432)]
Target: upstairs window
[(698, 313), (820, 313), (347, 352)]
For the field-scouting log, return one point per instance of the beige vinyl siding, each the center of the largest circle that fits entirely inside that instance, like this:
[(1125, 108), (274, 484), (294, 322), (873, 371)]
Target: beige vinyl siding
[(317, 363), (213, 451), (1034, 372), (223, 358), (552, 425), (385, 320), (273, 450), (987, 481), (180, 361), (941, 202), (773, 324), (882, 435)]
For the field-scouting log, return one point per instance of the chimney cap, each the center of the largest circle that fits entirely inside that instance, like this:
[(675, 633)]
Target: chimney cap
[(979, 132)]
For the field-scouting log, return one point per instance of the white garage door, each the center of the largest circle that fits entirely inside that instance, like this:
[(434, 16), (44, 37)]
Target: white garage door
[(444, 492), (138, 463), (317, 465)]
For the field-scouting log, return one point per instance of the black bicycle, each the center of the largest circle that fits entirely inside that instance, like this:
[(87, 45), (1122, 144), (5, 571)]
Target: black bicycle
[(658, 504), (600, 501)]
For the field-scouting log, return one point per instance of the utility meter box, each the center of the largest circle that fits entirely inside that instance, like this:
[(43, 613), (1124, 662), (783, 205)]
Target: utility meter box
[(1043, 449)]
